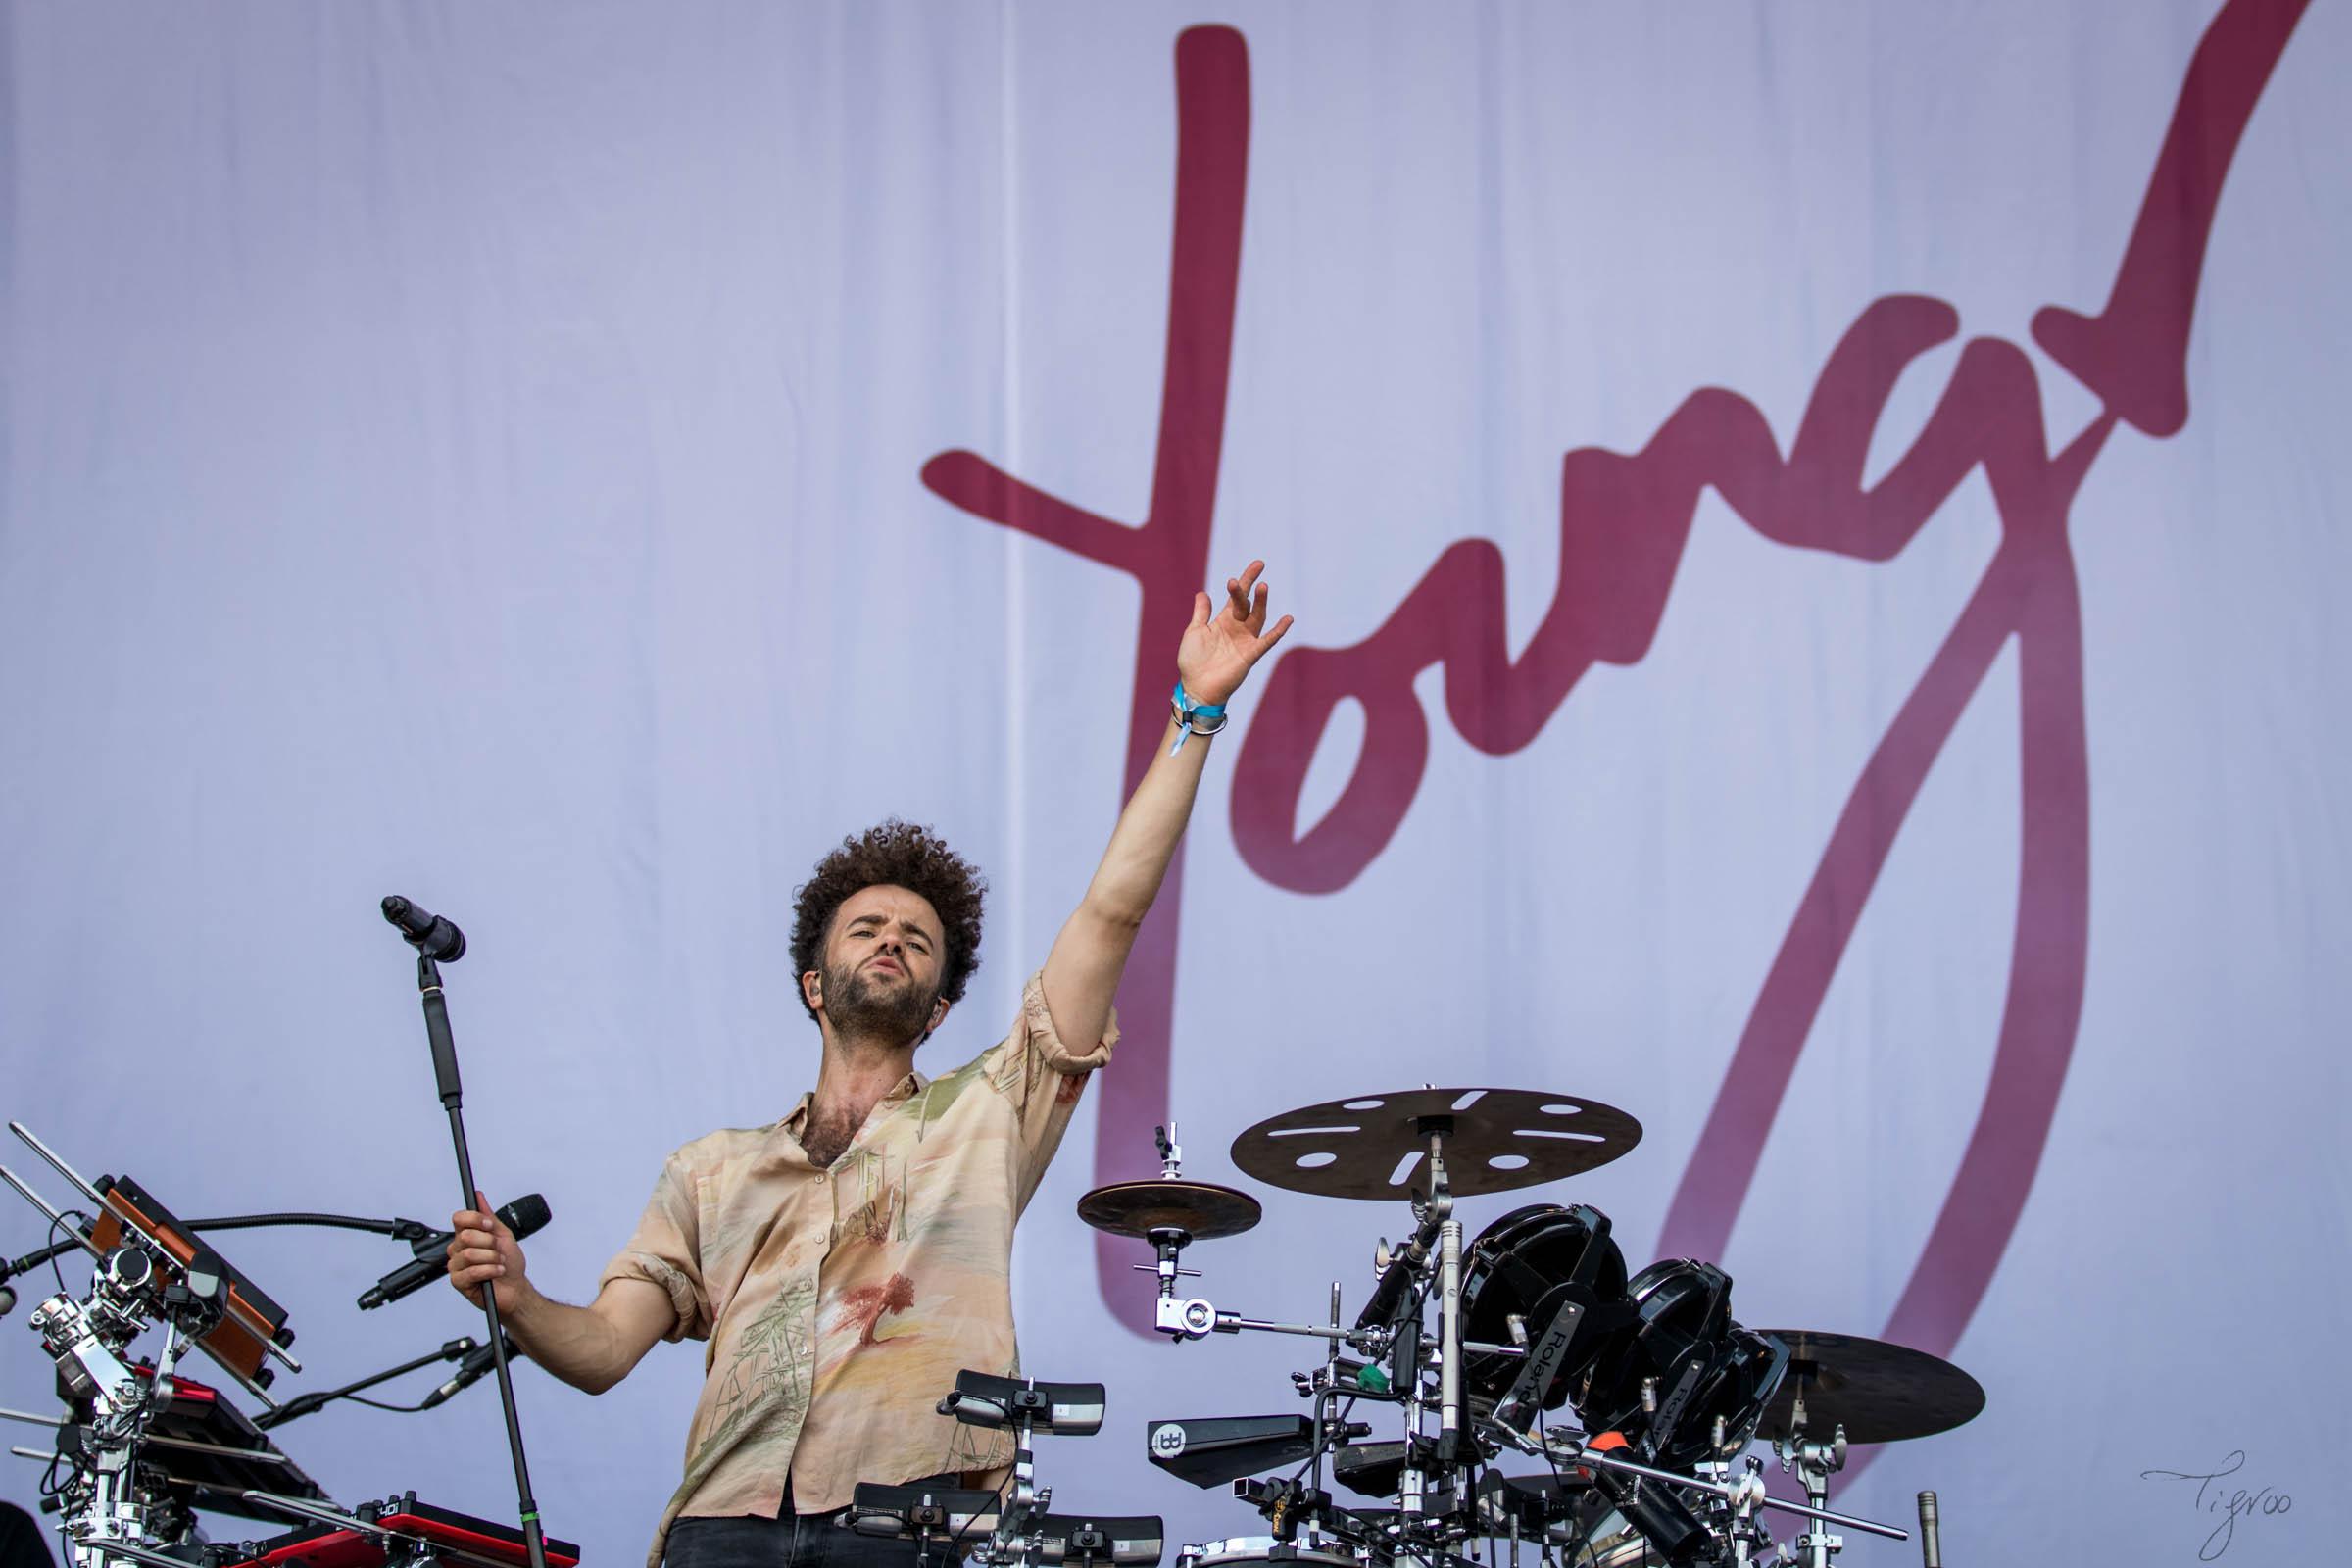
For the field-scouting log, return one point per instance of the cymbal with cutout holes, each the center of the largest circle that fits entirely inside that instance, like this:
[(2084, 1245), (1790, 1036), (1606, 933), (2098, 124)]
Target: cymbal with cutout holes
[(1377, 1146)]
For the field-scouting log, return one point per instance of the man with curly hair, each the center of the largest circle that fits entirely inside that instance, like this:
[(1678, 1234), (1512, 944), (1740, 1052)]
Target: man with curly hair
[(847, 1261)]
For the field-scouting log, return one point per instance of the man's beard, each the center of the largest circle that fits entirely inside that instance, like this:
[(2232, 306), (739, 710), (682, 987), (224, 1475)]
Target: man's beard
[(899, 1014)]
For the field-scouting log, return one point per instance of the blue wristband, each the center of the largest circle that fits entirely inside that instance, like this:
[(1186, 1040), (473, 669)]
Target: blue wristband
[(1192, 719)]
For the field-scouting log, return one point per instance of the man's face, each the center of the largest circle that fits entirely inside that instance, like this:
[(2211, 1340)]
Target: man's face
[(882, 965)]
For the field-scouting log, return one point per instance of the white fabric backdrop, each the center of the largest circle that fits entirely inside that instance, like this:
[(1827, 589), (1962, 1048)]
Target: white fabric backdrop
[(481, 452)]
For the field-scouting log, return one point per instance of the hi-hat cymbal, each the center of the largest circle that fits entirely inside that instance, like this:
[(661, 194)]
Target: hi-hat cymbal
[(1202, 1210), (1880, 1392), (1377, 1146)]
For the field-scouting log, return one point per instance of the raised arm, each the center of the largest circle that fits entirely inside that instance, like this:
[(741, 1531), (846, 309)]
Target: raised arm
[(1082, 972)]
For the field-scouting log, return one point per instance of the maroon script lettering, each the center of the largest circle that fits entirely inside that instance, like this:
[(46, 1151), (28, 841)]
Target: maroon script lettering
[(1624, 520)]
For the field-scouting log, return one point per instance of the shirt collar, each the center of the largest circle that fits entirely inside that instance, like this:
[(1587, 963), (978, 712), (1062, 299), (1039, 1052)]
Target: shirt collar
[(906, 1088)]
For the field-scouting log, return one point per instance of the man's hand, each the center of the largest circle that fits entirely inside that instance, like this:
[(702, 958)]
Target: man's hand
[(483, 1250), (590, 1348), (1216, 655)]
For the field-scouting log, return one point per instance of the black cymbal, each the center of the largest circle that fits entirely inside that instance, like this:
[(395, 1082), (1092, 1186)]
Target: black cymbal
[(1202, 1211), (1880, 1392), (1376, 1146)]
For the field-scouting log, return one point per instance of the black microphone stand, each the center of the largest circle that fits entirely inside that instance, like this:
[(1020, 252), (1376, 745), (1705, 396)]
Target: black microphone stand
[(309, 1404), (453, 1096)]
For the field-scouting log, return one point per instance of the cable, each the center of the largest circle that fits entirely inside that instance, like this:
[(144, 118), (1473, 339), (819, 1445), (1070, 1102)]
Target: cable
[(374, 1405), (955, 1540), (49, 1485), (1339, 1423), (69, 1241)]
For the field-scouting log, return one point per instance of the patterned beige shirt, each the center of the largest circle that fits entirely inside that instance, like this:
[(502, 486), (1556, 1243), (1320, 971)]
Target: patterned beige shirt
[(840, 1303)]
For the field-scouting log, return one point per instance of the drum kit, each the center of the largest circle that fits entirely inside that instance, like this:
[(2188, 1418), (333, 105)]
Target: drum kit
[(1637, 1393)]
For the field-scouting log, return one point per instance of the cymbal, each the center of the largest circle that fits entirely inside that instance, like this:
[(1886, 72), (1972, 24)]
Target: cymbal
[(1880, 1392), (1376, 1146), (1202, 1210)]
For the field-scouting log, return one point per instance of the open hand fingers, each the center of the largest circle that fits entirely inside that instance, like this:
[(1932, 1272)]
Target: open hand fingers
[(1237, 590), (1270, 637)]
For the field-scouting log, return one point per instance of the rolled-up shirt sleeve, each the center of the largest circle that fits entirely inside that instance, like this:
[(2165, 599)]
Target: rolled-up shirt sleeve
[(1044, 1076), (666, 1250)]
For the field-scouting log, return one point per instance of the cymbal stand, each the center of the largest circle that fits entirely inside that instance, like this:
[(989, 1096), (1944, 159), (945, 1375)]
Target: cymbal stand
[(1814, 1462), (1325, 1409), (1413, 1500), (1733, 1515), (1450, 1311), (1182, 1319)]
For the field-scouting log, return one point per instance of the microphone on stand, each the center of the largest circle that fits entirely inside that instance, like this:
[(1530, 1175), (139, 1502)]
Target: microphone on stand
[(471, 1371), (1930, 1546), (432, 936), (524, 1216), (438, 939)]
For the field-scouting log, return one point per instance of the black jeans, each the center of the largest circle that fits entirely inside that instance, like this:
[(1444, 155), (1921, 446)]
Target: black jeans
[(790, 1541)]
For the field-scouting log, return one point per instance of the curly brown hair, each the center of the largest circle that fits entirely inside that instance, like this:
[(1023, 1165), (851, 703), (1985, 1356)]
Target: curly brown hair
[(893, 854)]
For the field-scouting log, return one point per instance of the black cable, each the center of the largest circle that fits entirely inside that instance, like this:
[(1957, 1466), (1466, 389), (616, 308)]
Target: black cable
[(375, 1405), (955, 1540), (50, 1485), (1339, 1423), (1336, 1424), (404, 1230), (58, 1249)]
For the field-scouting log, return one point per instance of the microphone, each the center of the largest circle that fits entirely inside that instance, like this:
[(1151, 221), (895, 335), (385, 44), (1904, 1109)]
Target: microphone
[(1388, 1297), (524, 1216), (310, 1403), (1931, 1544), (431, 935), (11, 1267), (473, 1370)]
